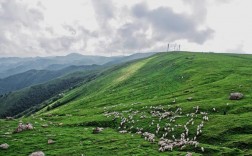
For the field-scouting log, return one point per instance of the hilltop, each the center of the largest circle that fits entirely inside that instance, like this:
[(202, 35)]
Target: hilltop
[(158, 94)]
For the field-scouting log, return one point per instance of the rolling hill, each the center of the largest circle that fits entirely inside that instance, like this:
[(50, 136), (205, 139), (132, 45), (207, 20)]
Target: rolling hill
[(11, 66), (175, 96), (33, 77)]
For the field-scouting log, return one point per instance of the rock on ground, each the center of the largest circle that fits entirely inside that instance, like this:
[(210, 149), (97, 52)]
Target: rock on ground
[(38, 153), (50, 141), (236, 96), (189, 99)]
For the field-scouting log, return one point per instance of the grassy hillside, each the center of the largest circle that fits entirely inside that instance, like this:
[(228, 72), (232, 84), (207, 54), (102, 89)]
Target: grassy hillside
[(139, 93)]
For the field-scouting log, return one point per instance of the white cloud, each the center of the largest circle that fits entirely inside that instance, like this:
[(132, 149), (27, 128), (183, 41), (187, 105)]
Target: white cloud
[(58, 27)]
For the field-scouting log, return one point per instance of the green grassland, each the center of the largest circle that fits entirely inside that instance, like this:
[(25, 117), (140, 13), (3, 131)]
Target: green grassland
[(164, 80)]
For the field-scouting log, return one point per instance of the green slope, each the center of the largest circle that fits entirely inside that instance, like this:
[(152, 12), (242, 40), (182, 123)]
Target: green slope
[(21, 95), (146, 85)]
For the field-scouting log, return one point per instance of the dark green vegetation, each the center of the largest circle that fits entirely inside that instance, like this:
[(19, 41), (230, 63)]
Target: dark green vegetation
[(39, 96), (33, 77), (136, 86)]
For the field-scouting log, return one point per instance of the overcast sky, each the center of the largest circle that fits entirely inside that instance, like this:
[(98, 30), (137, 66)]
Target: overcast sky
[(117, 27)]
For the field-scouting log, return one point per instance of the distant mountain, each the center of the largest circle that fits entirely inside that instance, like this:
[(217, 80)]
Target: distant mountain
[(33, 77), (14, 65), (131, 58), (45, 69)]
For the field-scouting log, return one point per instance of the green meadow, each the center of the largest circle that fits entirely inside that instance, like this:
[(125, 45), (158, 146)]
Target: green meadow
[(163, 81)]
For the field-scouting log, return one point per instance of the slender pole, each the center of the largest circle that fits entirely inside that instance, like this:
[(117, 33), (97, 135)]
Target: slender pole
[(168, 46)]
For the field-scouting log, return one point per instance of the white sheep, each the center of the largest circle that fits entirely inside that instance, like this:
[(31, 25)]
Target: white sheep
[(202, 149)]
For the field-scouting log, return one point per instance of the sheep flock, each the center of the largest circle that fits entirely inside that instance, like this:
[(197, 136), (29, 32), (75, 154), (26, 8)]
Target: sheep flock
[(169, 127)]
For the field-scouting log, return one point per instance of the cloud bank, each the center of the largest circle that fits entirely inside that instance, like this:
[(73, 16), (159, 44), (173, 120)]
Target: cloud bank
[(119, 29)]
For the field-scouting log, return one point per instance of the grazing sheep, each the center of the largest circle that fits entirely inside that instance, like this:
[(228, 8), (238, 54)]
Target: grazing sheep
[(173, 137), (22, 127), (197, 109), (123, 131), (149, 136), (161, 149), (205, 118), (168, 147), (4, 146), (183, 147), (166, 144), (138, 132), (189, 99), (50, 141), (197, 133), (174, 101), (202, 149), (97, 130), (142, 116), (44, 125), (29, 126)]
